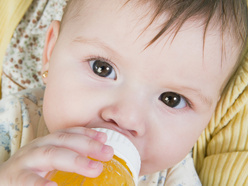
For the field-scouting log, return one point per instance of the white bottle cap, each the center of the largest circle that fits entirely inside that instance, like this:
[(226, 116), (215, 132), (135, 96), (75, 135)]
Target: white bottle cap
[(124, 149)]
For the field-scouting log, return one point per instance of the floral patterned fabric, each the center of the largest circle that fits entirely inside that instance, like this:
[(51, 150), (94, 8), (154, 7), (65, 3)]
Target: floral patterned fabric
[(22, 62), (20, 121)]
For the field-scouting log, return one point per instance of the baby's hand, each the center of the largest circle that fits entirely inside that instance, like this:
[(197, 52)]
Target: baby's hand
[(65, 150)]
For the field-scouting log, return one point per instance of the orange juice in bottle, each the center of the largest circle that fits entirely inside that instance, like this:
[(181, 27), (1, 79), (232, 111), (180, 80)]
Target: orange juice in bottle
[(123, 169)]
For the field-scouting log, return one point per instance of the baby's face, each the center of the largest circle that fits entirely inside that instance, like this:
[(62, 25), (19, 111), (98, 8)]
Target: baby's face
[(161, 97)]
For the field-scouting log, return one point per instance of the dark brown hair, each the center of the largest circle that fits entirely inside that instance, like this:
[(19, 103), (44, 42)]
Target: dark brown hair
[(227, 12), (230, 14)]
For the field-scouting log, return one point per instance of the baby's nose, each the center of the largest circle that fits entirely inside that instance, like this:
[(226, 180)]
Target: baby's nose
[(128, 114)]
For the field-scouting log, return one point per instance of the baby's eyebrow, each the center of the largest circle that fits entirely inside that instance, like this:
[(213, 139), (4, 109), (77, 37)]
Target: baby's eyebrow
[(203, 98), (97, 42)]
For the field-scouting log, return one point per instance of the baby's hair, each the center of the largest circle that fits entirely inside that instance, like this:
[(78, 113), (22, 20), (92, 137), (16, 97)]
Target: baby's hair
[(230, 14), (227, 12)]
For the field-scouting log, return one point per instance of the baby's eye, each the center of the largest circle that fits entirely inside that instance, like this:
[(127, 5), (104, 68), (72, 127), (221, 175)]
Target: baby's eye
[(173, 100), (102, 69)]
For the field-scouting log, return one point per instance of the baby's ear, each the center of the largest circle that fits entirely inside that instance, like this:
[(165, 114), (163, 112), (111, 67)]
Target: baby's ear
[(51, 38)]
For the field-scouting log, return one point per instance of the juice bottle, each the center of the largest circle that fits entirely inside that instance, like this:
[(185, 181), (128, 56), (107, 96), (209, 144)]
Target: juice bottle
[(122, 170)]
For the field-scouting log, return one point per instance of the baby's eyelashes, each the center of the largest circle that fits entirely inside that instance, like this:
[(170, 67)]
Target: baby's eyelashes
[(173, 100), (102, 69)]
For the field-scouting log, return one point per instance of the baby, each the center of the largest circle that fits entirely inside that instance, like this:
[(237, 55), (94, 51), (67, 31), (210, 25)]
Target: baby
[(151, 70)]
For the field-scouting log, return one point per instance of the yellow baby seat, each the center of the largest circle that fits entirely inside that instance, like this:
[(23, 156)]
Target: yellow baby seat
[(220, 154)]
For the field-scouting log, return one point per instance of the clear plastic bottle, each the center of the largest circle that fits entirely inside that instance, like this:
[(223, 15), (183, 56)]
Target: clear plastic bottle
[(122, 170)]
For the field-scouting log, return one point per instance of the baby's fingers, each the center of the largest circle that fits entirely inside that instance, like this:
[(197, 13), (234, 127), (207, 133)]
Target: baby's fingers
[(99, 136), (65, 160), (82, 144)]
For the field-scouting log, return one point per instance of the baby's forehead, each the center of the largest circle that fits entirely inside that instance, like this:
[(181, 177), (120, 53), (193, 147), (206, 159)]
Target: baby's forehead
[(177, 12), (164, 20)]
